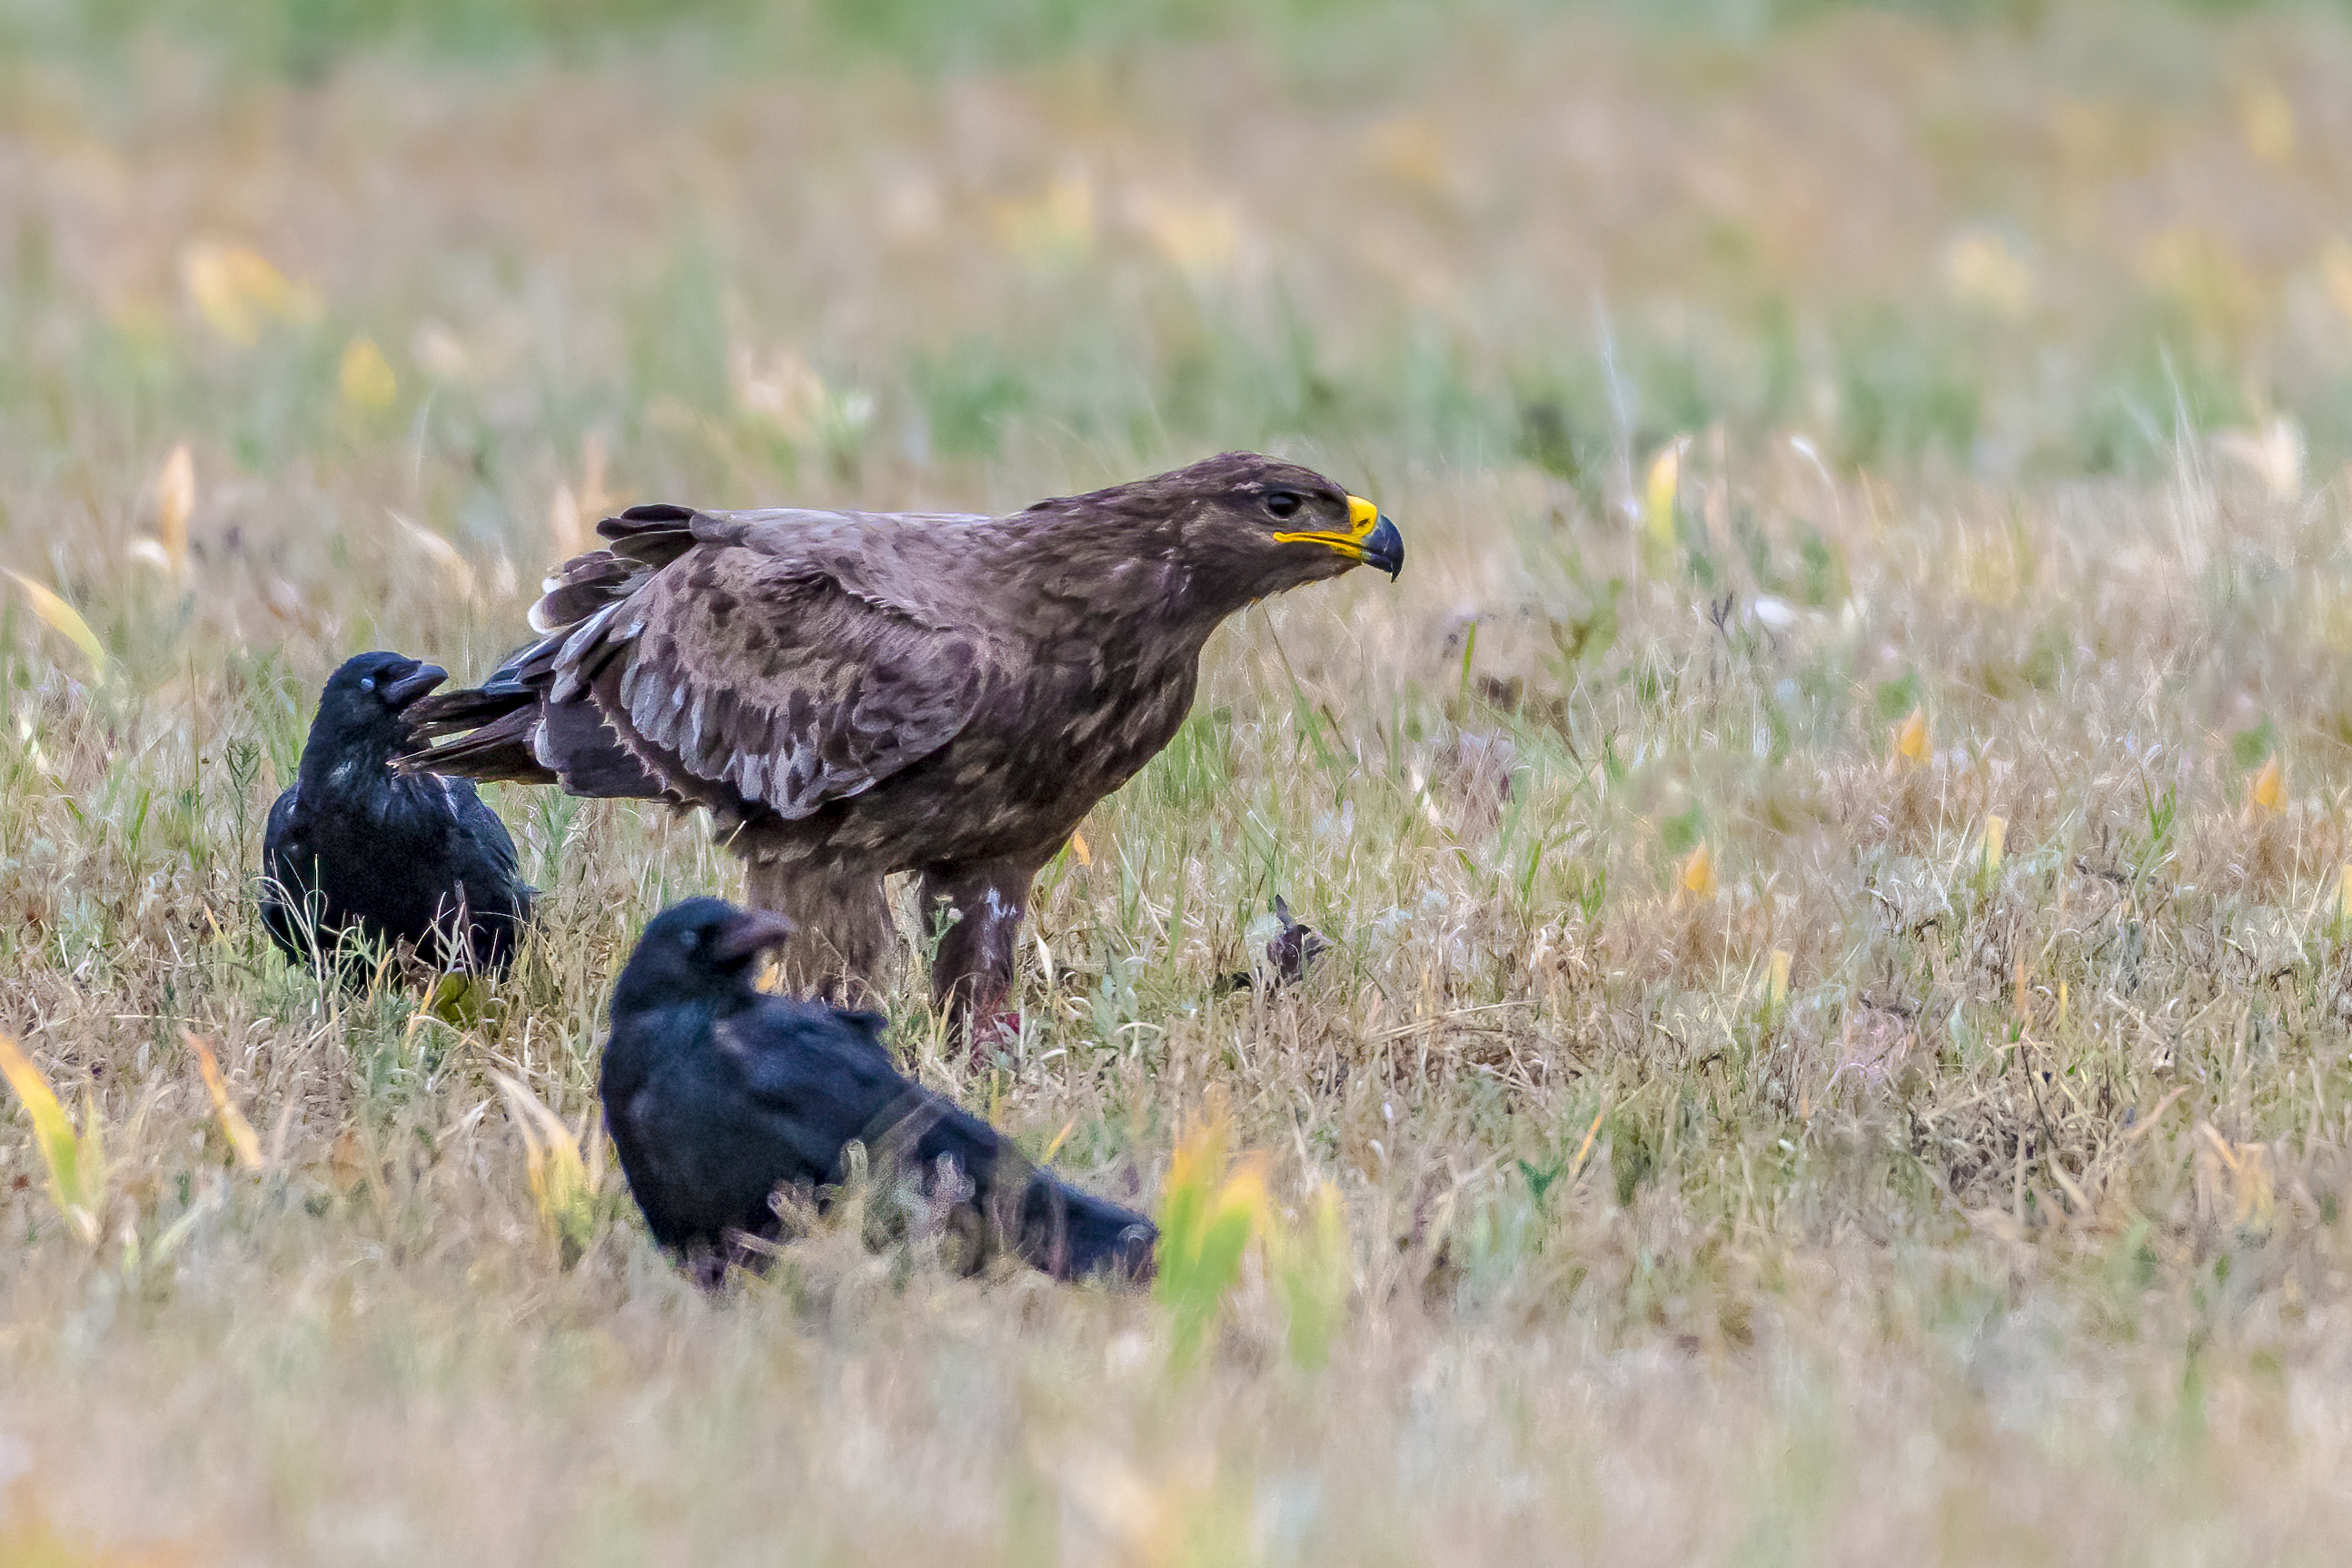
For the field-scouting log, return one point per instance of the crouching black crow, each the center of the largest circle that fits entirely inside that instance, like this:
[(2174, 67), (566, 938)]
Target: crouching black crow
[(717, 1093), (356, 850)]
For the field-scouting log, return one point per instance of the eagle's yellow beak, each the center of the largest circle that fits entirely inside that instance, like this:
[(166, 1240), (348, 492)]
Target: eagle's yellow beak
[(1370, 537)]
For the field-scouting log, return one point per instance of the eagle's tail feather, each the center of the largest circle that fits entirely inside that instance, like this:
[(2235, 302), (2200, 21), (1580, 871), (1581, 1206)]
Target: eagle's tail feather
[(655, 535), (497, 748), (469, 707)]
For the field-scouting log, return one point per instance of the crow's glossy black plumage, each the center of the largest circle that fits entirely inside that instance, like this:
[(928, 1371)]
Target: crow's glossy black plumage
[(355, 849), (717, 1093)]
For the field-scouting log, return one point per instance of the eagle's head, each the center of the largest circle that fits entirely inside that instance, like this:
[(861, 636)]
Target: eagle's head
[(1249, 525)]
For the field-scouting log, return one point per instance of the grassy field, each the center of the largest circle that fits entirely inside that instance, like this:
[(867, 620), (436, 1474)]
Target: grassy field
[(1838, 1044)]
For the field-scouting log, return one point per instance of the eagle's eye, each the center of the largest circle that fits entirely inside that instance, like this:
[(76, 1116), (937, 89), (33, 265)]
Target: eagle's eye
[(1284, 503)]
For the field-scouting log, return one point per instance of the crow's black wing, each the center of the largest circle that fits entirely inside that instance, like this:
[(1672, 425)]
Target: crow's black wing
[(283, 877), (825, 1078), (701, 1158), (489, 847), (489, 866)]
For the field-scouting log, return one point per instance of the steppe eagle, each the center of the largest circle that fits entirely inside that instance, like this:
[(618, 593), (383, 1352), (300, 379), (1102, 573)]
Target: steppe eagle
[(852, 694)]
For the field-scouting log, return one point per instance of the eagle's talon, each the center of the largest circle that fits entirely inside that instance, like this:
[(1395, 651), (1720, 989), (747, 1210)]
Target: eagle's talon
[(994, 1031)]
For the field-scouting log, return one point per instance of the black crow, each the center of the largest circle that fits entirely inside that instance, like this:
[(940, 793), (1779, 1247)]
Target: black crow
[(717, 1093), (356, 850)]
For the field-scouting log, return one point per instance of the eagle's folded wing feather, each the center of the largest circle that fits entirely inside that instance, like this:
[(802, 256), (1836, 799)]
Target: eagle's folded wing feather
[(759, 661), (746, 673)]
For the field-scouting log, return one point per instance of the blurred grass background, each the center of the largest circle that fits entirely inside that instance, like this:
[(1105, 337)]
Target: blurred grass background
[(1822, 432)]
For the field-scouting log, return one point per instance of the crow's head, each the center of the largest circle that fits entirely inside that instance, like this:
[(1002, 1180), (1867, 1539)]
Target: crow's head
[(700, 950), (366, 703)]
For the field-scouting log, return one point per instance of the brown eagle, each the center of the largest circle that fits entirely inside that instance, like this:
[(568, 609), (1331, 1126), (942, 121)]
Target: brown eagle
[(852, 694)]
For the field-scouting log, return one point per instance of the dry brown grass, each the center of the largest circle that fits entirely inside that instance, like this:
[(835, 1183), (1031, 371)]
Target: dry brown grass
[(2011, 1233)]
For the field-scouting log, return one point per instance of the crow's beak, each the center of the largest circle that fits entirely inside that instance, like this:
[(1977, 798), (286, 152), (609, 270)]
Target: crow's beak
[(751, 933), (1369, 537), (414, 685)]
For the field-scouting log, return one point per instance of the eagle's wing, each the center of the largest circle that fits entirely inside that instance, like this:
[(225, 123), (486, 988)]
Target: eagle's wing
[(746, 660)]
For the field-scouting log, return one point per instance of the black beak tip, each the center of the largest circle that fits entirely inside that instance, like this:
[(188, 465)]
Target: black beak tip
[(414, 684), (1384, 549), (752, 933)]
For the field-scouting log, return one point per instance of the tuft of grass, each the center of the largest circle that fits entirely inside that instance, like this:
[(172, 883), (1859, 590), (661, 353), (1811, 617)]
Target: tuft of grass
[(1312, 1266), (75, 1159), (1210, 1212), (233, 1126), (563, 1182)]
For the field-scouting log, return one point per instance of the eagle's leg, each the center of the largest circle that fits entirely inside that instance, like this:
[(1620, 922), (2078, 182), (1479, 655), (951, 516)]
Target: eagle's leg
[(976, 908), (844, 946)]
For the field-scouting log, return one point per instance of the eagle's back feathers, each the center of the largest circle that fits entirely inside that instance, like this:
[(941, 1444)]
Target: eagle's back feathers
[(757, 663), (755, 677)]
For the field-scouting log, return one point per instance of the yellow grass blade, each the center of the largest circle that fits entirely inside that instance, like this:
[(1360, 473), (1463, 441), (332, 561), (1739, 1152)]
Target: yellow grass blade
[(2336, 276), (175, 500), (1659, 490), (444, 554), (559, 1176), (1078, 847), (237, 289), (1776, 988), (62, 619), (232, 1124), (2267, 120), (1911, 739), (364, 376), (1996, 838), (2268, 791), (566, 526), (1577, 1164), (1207, 1220), (76, 1163), (1696, 873)]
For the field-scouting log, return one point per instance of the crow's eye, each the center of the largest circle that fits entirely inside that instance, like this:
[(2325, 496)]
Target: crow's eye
[(367, 683), (689, 940), (1284, 503)]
